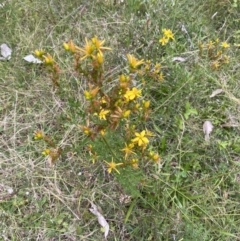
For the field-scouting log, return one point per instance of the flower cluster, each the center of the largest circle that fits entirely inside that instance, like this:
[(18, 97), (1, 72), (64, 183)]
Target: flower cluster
[(117, 109), (167, 36), (215, 52), (52, 152), (50, 64), (92, 50)]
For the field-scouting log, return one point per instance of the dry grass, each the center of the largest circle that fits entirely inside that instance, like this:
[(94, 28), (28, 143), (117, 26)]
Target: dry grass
[(195, 195)]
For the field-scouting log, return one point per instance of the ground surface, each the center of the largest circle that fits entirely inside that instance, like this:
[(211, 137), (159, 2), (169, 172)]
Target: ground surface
[(194, 196)]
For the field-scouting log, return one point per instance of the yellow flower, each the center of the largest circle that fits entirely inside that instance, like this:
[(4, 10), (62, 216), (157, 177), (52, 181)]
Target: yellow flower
[(103, 100), (86, 130), (92, 93), (134, 163), (87, 50), (160, 77), (135, 93), (66, 46), (87, 95), (149, 133), (89, 148), (69, 46), (48, 59), (92, 48), (123, 78), (124, 81), (157, 68), (163, 41), (134, 62), (154, 156), (132, 94), (210, 45), (146, 104), (168, 33), (126, 113), (137, 107), (46, 152), (99, 57), (99, 44), (39, 53), (215, 65), (225, 45), (140, 139), (102, 114), (226, 59), (128, 149), (38, 135), (103, 132), (113, 166)]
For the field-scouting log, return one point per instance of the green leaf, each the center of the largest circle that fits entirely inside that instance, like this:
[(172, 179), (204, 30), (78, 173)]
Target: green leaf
[(189, 111)]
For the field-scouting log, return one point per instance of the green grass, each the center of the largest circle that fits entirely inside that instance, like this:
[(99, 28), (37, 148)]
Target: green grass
[(195, 194)]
